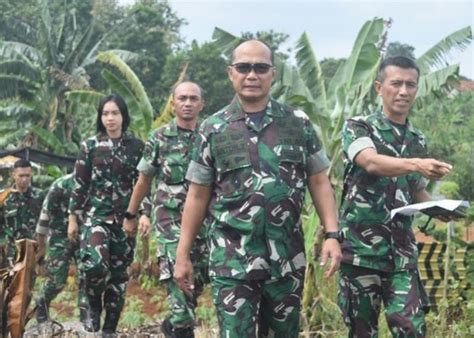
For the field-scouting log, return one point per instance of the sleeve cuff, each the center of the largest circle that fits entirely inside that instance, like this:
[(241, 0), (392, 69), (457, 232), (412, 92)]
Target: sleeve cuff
[(317, 162), (359, 145), (200, 174), (146, 168), (421, 184), (42, 230)]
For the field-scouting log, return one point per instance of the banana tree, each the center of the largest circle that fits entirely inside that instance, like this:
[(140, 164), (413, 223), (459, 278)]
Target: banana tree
[(349, 93), (121, 79), (34, 78)]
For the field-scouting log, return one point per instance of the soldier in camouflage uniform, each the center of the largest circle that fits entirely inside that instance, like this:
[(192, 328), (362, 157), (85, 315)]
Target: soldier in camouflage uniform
[(251, 165), (3, 243), (385, 166), (21, 208), (53, 223), (166, 158), (105, 172)]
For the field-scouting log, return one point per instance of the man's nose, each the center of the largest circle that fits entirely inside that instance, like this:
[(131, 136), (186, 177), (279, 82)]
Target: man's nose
[(252, 74), (403, 89)]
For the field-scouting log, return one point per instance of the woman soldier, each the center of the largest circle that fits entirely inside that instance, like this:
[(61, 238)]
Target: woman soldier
[(105, 173)]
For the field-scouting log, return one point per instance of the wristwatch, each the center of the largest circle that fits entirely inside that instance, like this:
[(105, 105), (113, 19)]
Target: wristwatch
[(334, 234), (128, 215)]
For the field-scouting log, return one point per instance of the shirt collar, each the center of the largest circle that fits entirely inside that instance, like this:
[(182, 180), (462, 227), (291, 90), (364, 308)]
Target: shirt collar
[(236, 112), (383, 123)]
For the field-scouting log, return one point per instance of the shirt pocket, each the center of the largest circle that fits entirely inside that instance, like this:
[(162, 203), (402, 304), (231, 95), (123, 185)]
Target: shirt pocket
[(174, 168), (234, 172), (232, 163), (291, 165)]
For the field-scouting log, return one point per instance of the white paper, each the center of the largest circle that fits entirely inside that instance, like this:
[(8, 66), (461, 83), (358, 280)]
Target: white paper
[(411, 209)]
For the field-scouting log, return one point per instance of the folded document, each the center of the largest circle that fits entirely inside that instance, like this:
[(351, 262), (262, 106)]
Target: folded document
[(455, 208)]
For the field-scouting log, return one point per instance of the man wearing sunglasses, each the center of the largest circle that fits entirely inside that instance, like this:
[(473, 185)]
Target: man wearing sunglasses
[(251, 164)]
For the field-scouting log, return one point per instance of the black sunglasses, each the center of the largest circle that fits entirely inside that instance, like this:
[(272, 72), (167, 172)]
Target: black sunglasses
[(258, 68)]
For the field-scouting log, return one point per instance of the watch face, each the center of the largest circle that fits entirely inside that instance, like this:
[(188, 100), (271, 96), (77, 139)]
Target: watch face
[(335, 235)]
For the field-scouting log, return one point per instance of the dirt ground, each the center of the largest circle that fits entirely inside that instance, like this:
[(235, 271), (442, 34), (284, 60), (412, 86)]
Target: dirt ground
[(145, 308)]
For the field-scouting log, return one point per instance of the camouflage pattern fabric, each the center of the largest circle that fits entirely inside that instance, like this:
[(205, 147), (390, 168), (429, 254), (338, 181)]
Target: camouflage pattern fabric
[(166, 157), (60, 254), (277, 301), (181, 306), (105, 254), (362, 292), (372, 240), (105, 173), (3, 242), (53, 222), (258, 173), (21, 212)]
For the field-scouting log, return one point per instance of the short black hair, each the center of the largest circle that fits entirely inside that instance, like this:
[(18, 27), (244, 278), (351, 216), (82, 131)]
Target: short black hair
[(22, 163), (263, 42), (122, 106), (398, 61)]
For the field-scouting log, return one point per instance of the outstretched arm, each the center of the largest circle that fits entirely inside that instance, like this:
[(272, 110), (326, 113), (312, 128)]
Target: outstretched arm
[(382, 165)]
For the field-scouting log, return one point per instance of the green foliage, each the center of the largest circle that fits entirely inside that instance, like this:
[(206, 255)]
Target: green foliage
[(437, 55), (447, 122), (207, 67), (153, 33), (449, 189), (400, 49), (133, 316), (273, 39), (329, 68), (47, 60)]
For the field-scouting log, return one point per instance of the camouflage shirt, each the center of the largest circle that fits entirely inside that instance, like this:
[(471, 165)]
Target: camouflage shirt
[(21, 212), (372, 240), (258, 174), (105, 173), (54, 216), (166, 156)]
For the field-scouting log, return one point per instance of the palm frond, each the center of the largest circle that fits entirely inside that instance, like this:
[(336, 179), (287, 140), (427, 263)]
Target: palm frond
[(225, 40), (49, 139), (310, 71), (437, 55), (436, 80), (166, 113), (11, 50), (364, 56), (134, 82)]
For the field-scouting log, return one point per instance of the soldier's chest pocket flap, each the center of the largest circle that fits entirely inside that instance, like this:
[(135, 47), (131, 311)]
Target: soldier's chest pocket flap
[(231, 153), (174, 165), (291, 154), (238, 160)]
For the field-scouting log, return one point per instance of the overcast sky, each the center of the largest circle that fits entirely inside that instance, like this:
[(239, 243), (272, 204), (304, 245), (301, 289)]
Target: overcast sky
[(331, 25)]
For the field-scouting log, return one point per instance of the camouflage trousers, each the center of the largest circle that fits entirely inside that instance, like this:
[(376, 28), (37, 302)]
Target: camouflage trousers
[(263, 308), (3, 256), (362, 292), (105, 254), (182, 306), (60, 254)]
